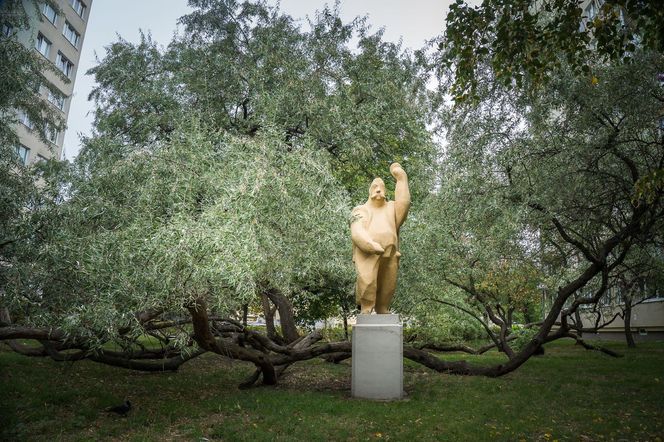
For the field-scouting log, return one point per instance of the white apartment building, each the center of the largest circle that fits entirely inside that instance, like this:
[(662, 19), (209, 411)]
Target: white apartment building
[(58, 36)]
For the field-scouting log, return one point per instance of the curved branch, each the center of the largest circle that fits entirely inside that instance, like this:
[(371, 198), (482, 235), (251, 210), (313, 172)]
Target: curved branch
[(587, 346), (170, 364), (205, 338), (38, 333), (565, 235), (461, 347)]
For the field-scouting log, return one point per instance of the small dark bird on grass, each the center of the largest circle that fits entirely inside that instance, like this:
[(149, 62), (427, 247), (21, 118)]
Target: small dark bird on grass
[(122, 410)]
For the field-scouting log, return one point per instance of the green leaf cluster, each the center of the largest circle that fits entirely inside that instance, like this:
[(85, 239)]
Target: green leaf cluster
[(245, 66), (206, 214), (525, 42)]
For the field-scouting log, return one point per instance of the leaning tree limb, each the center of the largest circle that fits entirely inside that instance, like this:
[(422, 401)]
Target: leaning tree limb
[(302, 343), (169, 364), (206, 339), (588, 346), (449, 348)]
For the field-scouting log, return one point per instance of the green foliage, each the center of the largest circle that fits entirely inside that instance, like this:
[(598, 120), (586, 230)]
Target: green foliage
[(526, 41), (222, 165), (336, 334), (23, 71), (227, 163), (246, 67), (533, 188), (203, 215), (219, 166), (331, 296), (649, 186), (440, 326)]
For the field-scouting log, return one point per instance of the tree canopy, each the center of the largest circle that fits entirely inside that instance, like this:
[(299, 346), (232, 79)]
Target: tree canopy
[(243, 67), (221, 168), (527, 41)]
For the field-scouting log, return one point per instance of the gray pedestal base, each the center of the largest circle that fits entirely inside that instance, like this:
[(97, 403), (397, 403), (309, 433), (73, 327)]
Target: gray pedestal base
[(377, 357)]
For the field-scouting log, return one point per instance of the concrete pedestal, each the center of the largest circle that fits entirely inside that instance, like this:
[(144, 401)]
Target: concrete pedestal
[(377, 357)]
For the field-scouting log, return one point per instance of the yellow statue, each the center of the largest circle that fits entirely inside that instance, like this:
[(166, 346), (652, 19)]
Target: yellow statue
[(374, 229)]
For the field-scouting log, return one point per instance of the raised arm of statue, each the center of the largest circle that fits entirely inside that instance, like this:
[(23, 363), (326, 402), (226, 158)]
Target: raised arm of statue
[(359, 234), (401, 193)]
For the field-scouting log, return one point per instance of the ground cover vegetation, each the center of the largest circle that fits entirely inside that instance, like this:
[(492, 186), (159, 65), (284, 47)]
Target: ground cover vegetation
[(223, 167), (572, 394)]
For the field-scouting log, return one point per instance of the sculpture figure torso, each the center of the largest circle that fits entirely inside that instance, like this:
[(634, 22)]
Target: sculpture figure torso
[(375, 234), (380, 224)]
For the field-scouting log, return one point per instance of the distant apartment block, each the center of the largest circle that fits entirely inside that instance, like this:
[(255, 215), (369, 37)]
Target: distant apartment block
[(58, 36)]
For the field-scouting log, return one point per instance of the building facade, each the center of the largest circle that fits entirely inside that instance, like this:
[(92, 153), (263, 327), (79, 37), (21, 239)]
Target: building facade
[(57, 35), (646, 317)]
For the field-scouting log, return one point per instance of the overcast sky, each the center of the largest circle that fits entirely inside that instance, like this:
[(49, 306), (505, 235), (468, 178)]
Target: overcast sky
[(414, 21)]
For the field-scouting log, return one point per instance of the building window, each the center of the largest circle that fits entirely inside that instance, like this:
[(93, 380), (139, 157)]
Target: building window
[(51, 134), (25, 120), (49, 13), (43, 45), (40, 159), (591, 11), (35, 85), (619, 300), (7, 30), (63, 63), (23, 153), (79, 7), (70, 34), (56, 99), (588, 14)]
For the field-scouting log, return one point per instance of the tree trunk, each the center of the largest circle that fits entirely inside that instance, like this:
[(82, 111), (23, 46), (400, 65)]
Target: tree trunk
[(579, 322), (504, 346), (303, 343), (628, 322), (245, 313), (269, 317), (5, 318), (345, 316), (288, 328), (206, 340)]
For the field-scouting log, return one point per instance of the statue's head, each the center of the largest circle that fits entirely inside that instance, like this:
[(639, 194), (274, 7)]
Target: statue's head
[(377, 190)]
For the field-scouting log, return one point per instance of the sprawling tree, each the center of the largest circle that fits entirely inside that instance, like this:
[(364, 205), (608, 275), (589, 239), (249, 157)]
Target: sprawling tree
[(546, 186), (192, 228), (218, 172), (526, 42), (244, 67)]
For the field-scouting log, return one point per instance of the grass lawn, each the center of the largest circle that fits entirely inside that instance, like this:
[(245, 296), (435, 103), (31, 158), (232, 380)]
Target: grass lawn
[(568, 394)]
